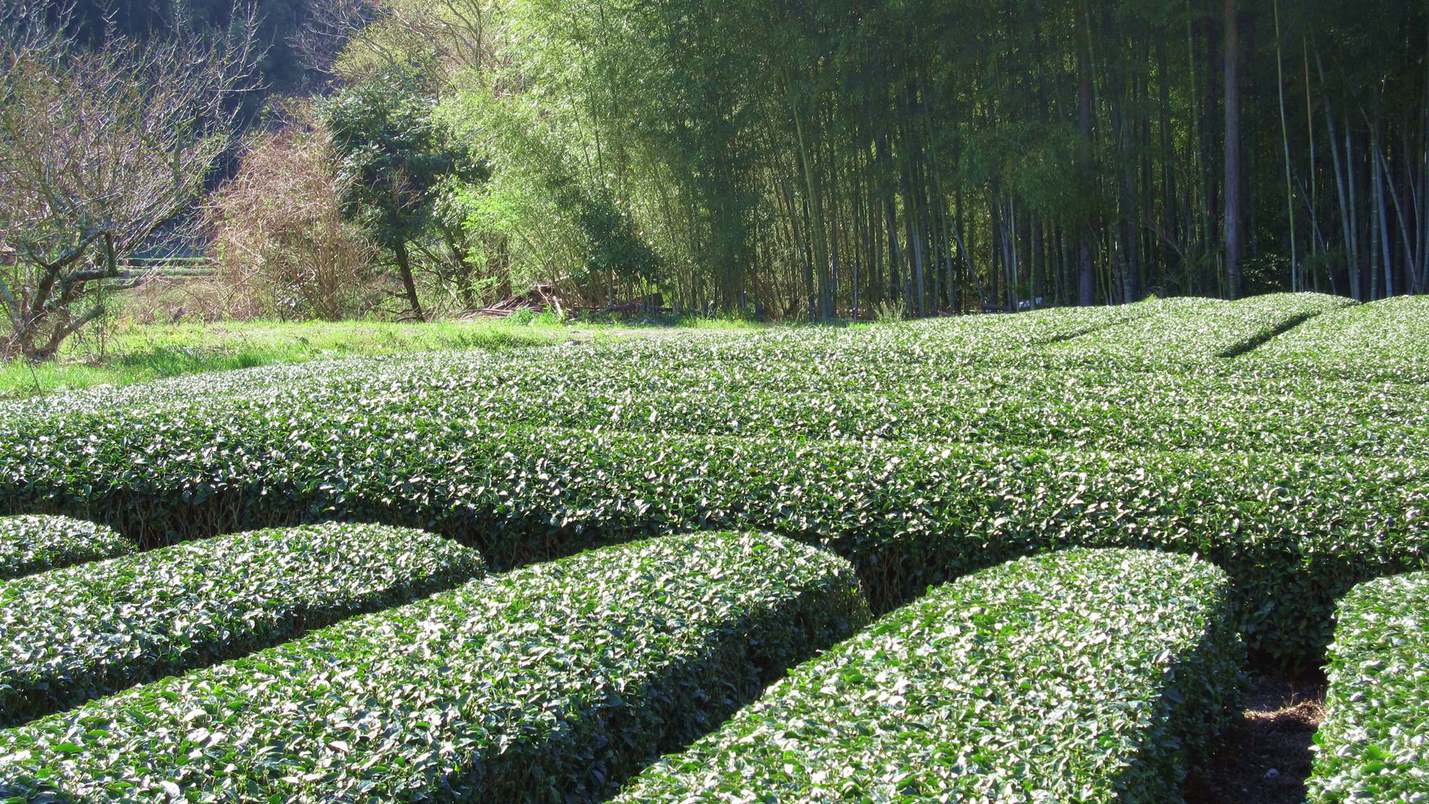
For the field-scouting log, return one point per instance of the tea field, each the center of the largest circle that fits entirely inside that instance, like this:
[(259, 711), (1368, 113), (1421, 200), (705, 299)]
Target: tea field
[(1002, 558)]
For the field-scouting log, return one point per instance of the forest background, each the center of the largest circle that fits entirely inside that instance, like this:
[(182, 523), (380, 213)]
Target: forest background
[(792, 159)]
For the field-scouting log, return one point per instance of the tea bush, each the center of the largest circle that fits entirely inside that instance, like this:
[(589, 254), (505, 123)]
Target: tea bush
[(1074, 676), (30, 544), (1374, 743), (554, 681), (77, 633)]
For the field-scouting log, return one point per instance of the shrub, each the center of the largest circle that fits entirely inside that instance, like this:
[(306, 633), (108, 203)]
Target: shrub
[(984, 337), (74, 634), (890, 312), (1379, 341), (1372, 745), (282, 244), (30, 544), (1083, 675), (554, 681), (754, 388), (1298, 487), (1294, 532), (1187, 333)]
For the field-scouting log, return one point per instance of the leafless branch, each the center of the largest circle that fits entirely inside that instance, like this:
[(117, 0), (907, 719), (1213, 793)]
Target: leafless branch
[(99, 149), (443, 36)]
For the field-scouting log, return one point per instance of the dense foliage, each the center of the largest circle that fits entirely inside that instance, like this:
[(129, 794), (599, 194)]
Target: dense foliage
[(853, 159), (1075, 520), (973, 460), (1372, 745), (1014, 381), (555, 681), (1365, 341), (394, 160), (30, 544), (840, 158), (1189, 330), (78, 633), (1083, 675), (917, 452)]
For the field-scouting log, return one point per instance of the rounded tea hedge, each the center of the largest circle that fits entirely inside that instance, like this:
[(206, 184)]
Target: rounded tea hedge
[(1019, 557)]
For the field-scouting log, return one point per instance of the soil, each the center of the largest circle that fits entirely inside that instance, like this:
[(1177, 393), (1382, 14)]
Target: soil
[(1264, 757)]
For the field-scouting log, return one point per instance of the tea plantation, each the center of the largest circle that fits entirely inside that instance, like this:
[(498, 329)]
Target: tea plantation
[(1010, 558)]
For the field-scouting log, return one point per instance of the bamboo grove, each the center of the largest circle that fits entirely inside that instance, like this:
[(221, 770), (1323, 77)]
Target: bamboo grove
[(794, 158)]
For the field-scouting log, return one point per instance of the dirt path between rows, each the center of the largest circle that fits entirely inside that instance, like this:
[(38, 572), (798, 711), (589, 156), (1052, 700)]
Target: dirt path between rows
[(1264, 757)]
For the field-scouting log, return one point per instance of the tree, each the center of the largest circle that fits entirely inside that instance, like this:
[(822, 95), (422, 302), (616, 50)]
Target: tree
[(282, 243), (277, 64), (824, 158), (1234, 243), (395, 159), (100, 149)]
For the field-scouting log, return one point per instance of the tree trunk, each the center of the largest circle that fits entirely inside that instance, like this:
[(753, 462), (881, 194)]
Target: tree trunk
[(409, 283), (1285, 143), (1233, 236), (1086, 281), (1382, 182)]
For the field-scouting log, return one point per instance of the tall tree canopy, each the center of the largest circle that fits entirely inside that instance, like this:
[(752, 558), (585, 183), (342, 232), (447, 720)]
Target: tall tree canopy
[(828, 158), (822, 158), (396, 160)]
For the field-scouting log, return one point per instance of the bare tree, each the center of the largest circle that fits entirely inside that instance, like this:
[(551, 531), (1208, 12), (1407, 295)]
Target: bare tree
[(349, 38), (283, 246), (330, 27), (99, 149)]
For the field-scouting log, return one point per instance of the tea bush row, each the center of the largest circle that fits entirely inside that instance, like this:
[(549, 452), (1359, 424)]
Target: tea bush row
[(1374, 743), (739, 389), (1175, 334), (1008, 406), (1074, 676), (552, 682), (1379, 341), (1191, 333), (30, 544), (1294, 532), (77, 633)]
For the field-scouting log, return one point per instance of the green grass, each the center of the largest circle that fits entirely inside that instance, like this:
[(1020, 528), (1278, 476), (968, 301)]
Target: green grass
[(142, 352)]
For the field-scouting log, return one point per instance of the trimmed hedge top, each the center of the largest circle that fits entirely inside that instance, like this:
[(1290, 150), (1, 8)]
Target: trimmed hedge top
[(1374, 743), (1294, 532), (981, 338), (1296, 486), (1084, 675), (1188, 332), (77, 633), (893, 383), (1383, 340), (554, 681), (30, 544)]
